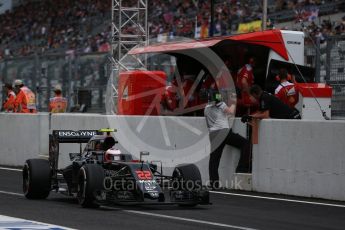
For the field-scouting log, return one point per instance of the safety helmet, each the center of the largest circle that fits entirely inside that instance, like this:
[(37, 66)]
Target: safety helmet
[(58, 88), (18, 82)]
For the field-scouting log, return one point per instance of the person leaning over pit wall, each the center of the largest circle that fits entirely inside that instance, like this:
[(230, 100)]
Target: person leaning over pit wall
[(270, 107)]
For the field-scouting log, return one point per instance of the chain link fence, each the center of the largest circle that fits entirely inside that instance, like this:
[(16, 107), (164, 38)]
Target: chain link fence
[(83, 78), (328, 58)]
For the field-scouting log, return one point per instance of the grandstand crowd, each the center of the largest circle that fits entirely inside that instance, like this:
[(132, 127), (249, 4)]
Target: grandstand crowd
[(43, 26), (84, 25)]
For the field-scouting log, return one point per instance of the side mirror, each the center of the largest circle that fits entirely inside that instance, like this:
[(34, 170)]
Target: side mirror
[(143, 153)]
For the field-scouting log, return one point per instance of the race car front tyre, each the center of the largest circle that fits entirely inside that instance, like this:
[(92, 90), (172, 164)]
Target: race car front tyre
[(36, 179), (187, 177), (90, 181)]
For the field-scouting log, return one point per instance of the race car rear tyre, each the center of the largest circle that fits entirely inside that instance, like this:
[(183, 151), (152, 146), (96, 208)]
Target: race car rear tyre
[(90, 181), (187, 177), (36, 179)]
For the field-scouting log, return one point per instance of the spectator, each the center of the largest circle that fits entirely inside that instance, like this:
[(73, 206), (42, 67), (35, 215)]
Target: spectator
[(52, 25)]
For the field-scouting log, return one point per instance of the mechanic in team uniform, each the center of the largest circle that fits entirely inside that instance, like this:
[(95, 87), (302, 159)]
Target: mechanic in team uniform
[(25, 100), (286, 91), (270, 106), (245, 80), (169, 98), (220, 134), (9, 103), (57, 104)]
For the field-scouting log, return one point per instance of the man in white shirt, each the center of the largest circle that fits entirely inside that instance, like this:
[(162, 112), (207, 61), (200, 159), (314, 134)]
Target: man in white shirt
[(217, 115)]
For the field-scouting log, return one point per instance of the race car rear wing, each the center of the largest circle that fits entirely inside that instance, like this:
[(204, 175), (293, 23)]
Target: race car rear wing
[(80, 136), (69, 136)]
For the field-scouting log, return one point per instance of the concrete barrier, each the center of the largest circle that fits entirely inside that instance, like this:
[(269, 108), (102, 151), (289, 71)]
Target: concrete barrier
[(22, 137), (302, 158), (172, 140)]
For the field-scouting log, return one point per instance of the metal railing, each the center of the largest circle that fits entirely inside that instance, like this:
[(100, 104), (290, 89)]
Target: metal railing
[(83, 78), (328, 58)]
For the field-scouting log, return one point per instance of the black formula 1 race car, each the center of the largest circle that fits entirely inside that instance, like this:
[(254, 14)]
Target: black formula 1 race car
[(102, 175)]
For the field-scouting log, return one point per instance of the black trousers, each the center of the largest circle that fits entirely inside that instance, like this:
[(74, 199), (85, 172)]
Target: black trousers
[(218, 141)]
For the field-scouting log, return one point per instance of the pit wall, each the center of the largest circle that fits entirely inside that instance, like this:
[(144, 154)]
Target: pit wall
[(171, 140), (302, 158)]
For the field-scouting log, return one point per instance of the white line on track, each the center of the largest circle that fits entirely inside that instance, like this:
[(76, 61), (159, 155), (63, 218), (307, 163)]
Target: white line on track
[(11, 193), (11, 169), (183, 219), (279, 199), (9, 222)]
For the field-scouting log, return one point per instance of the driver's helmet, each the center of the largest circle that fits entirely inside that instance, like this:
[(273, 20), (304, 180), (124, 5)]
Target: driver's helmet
[(112, 154)]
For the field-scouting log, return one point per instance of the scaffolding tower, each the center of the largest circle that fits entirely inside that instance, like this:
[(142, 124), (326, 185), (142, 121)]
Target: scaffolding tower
[(129, 29)]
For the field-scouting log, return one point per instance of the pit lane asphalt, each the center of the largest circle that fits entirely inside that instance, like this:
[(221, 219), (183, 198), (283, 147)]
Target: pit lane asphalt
[(227, 212)]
